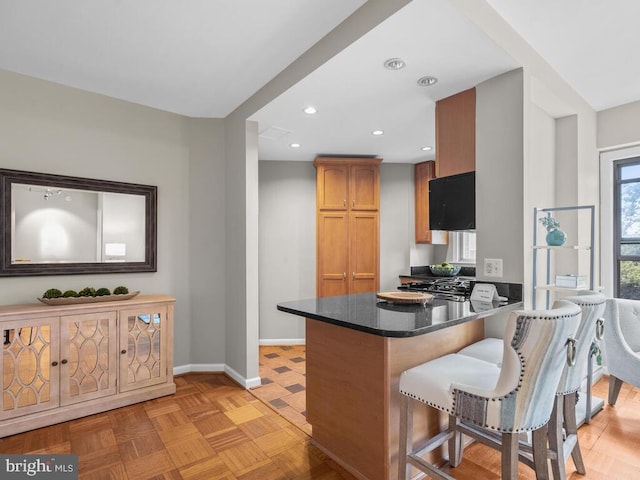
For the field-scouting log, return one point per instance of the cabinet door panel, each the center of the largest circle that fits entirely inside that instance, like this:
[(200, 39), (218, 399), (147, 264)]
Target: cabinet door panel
[(332, 236), (456, 134), (143, 351), (364, 187), (88, 355), (332, 187), (364, 252), (29, 378), (423, 172)]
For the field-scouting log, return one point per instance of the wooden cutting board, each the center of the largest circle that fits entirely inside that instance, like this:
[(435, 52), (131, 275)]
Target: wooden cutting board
[(405, 297)]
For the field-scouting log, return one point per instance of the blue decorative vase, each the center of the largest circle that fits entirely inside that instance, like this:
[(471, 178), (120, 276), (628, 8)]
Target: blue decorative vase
[(556, 237)]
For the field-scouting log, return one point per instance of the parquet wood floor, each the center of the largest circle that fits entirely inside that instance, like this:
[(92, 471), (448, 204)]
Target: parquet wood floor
[(210, 429), (214, 429), (610, 443)]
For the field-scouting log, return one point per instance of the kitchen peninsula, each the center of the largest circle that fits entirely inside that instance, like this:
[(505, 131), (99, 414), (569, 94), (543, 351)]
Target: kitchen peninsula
[(356, 349)]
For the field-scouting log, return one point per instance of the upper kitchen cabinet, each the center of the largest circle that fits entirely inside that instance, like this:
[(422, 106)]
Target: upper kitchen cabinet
[(348, 183), (422, 173), (456, 134)]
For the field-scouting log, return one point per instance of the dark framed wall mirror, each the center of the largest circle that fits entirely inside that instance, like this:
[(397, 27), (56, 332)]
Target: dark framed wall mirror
[(61, 225)]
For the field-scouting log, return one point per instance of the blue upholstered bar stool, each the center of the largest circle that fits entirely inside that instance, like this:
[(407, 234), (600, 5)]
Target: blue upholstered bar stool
[(517, 396), (563, 416)]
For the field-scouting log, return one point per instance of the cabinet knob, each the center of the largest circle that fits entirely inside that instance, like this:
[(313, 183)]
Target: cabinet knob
[(353, 202), (123, 351), (64, 361), (54, 364), (344, 203), (344, 275), (353, 275)]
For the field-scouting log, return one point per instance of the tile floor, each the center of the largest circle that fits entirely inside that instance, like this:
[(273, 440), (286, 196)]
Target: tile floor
[(282, 370)]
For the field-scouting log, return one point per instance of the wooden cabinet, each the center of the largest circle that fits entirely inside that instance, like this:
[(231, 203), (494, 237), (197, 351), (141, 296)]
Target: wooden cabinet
[(347, 226), (68, 361), (422, 173), (456, 134)]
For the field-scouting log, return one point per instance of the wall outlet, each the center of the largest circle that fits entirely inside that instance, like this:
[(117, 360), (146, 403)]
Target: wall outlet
[(493, 267)]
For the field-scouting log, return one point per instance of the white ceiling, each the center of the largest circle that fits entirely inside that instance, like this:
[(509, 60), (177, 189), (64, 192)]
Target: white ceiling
[(200, 58), (203, 58)]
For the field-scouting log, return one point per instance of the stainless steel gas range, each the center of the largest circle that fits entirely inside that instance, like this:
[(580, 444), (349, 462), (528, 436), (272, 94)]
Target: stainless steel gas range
[(448, 288)]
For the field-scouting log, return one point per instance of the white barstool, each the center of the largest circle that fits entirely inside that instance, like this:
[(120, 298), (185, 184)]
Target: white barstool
[(515, 397), (563, 416), (622, 344)]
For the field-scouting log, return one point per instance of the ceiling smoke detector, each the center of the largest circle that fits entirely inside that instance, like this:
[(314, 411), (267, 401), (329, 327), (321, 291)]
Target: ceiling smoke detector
[(427, 81), (394, 64)]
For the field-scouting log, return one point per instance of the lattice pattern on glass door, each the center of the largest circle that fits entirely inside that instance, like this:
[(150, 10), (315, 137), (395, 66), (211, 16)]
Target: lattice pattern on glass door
[(89, 357), (26, 365), (143, 350)]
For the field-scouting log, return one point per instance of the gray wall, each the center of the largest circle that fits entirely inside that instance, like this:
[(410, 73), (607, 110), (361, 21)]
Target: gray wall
[(499, 174), (54, 129), (206, 215), (287, 237), (618, 126), (396, 223)]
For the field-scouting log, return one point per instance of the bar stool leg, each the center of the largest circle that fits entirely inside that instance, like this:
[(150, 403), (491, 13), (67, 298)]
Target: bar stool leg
[(540, 452), (615, 384), (571, 427), (509, 456), (556, 441), (455, 442), (406, 437)]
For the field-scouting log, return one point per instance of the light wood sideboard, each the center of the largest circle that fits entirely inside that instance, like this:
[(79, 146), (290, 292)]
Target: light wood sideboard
[(68, 361)]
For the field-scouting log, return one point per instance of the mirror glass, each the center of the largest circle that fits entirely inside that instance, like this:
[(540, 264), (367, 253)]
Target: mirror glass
[(56, 225)]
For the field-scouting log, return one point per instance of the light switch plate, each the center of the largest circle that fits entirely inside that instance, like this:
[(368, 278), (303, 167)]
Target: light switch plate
[(493, 267)]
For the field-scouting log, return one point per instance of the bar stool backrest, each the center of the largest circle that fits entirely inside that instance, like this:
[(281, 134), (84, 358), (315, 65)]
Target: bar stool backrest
[(593, 305), (534, 356)]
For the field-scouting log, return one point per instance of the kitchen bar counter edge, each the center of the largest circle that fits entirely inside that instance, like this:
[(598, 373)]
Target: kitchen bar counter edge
[(365, 313)]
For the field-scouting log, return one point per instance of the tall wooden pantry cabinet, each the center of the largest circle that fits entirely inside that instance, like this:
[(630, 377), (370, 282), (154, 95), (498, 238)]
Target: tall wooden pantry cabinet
[(347, 225)]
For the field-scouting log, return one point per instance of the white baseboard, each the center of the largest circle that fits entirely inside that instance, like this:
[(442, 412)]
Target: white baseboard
[(245, 382), (198, 367), (282, 341), (217, 368)]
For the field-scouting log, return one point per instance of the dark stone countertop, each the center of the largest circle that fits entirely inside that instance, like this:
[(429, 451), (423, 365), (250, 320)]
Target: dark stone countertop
[(366, 313)]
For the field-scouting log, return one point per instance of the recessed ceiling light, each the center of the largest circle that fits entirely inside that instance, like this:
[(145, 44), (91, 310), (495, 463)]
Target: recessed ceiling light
[(310, 110), (294, 145), (426, 148), (427, 81), (394, 64), (377, 132)]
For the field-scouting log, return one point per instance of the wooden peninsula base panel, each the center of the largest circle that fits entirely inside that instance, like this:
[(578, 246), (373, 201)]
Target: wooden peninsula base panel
[(352, 391), (67, 361)]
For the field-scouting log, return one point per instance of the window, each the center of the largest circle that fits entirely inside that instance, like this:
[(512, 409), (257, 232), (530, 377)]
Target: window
[(462, 247), (626, 238)]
